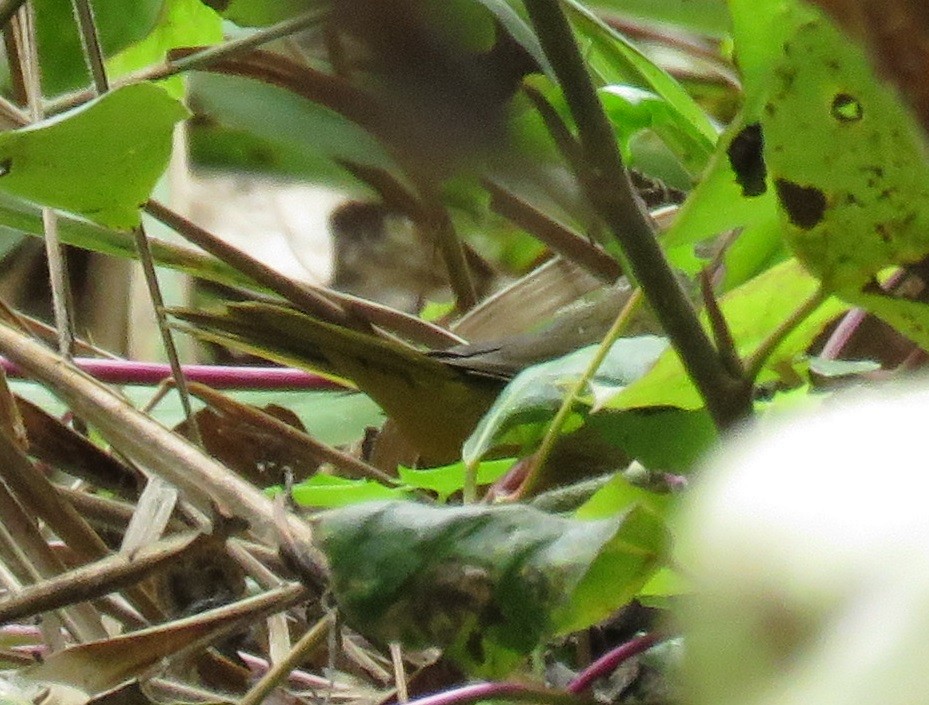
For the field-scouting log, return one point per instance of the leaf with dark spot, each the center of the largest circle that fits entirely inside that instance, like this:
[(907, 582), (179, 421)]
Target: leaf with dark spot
[(847, 108), (747, 161), (805, 205), (847, 159)]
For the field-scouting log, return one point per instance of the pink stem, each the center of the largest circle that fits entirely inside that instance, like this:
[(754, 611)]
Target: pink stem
[(607, 663), (216, 376)]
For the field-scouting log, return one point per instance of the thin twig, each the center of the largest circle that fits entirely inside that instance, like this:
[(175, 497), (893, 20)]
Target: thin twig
[(308, 643), (62, 300), (90, 40), (566, 143), (437, 225), (554, 234), (609, 188), (198, 59), (55, 253), (299, 295), (721, 332), (13, 112), (167, 338)]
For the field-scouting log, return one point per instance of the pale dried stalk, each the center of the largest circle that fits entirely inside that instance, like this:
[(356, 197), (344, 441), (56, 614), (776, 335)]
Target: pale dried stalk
[(139, 437)]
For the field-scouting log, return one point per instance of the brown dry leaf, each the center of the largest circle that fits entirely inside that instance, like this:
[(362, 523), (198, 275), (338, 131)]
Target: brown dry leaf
[(109, 574), (100, 666), (255, 453), (52, 442), (10, 419)]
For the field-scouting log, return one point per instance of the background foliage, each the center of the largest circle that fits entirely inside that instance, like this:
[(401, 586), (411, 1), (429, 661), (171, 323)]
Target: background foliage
[(715, 228)]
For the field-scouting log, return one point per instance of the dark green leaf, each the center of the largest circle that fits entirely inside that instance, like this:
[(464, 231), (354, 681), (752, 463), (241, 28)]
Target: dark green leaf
[(487, 583)]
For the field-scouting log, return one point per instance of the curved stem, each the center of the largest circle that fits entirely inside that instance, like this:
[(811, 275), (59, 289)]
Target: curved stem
[(607, 663)]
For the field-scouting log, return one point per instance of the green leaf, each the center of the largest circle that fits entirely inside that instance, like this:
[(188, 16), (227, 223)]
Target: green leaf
[(632, 110), (617, 572), (720, 203), (844, 157), (618, 495), (61, 55), (100, 161), (448, 479), (664, 585), (182, 23), (329, 491), (847, 159), (617, 61), (488, 584), (759, 30), (752, 311), (536, 393), (663, 438)]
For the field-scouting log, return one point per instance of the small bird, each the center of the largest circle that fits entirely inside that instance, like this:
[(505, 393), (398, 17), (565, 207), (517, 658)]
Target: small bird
[(436, 398)]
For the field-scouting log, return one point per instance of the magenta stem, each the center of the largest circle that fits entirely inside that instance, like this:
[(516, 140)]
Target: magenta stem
[(495, 691), (607, 663), (216, 376), (470, 694)]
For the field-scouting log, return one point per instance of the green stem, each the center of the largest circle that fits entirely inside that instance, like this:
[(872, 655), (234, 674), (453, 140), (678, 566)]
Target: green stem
[(610, 190), (756, 361), (537, 469)]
